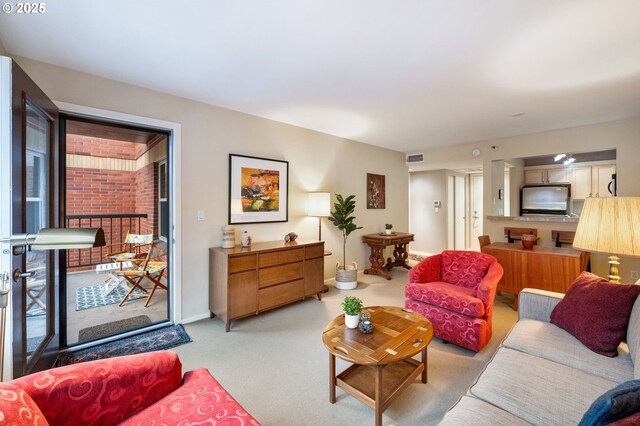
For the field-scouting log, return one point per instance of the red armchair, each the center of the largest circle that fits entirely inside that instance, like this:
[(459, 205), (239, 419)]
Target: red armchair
[(455, 291), (143, 389)]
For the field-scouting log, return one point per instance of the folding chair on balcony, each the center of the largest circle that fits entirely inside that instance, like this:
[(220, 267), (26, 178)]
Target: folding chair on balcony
[(130, 253), (150, 270)]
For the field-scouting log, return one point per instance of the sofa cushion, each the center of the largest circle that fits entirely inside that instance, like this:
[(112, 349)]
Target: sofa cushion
[(105, 391), (537, 390), (465, 268), (203, 398), (596, 312), (545, 340), (472, 411), (615, 404), (633, 336), (449, 296), (17, 408)]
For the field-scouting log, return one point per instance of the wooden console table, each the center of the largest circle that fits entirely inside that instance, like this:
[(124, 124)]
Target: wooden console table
[(245, 281), (378, 242), (544, 268)]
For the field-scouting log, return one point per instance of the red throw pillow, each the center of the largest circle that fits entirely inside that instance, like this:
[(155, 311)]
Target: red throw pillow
[(596, 312)]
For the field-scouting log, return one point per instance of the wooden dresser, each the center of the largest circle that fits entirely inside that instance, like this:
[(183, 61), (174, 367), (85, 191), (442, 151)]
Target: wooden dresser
[(246, 281), (545, 268)]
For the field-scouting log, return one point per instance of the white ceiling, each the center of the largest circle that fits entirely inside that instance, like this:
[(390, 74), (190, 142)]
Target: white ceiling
[(402, 74)]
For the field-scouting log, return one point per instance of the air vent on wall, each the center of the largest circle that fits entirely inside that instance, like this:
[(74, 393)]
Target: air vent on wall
[(415, 158)]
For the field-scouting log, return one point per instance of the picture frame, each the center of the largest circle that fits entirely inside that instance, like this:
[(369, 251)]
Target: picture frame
[(258, 190), (376, 193)]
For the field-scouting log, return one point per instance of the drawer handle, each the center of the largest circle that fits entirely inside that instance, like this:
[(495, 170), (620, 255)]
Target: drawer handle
[(417, 343)]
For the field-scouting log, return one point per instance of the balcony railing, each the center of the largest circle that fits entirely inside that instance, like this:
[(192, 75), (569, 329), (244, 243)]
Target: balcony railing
[(115, 228)]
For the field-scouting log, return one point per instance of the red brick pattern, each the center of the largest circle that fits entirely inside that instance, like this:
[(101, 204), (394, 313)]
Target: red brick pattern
[(96, 191)]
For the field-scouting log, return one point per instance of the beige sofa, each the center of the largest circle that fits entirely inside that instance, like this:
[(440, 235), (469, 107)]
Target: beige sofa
[(541, 374)]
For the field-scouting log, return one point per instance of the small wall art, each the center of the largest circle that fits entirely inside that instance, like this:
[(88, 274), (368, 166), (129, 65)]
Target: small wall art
[(375, 191), (258, 190)]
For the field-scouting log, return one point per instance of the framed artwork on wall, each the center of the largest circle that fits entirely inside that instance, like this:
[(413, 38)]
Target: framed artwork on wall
[(258, 190), (375, 191)]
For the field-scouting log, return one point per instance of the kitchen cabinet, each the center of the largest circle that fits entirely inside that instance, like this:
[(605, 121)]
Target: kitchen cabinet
[(586, 179)]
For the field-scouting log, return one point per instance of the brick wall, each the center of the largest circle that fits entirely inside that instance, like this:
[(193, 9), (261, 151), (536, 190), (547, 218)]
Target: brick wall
[(100, 191)]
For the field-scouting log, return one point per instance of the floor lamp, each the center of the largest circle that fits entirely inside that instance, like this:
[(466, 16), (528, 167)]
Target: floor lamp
[(45, 239), (319, 205), (610, 225)]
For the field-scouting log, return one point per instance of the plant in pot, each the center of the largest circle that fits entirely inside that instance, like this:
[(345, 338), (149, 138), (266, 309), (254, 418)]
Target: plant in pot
[(387, 228), (352, 307), (341, 217)]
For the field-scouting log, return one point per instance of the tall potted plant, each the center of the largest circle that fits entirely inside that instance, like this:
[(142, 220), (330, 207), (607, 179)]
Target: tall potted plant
[(341, 217)]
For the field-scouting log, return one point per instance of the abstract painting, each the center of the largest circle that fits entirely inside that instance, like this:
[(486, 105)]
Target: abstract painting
[(258, 189)]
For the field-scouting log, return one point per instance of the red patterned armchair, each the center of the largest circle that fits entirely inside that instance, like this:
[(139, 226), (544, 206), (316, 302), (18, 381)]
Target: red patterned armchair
[(143, 389), (455, 291)]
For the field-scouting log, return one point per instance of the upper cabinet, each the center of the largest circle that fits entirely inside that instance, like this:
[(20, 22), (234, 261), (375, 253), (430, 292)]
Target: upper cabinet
[(586, 179)]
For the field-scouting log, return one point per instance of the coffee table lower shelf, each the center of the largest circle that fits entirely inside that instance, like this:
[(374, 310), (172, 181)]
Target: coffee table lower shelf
[(359, 381)]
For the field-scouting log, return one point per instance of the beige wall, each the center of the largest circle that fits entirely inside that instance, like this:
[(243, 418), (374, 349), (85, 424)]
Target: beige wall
[(622, 135), (316, 162)]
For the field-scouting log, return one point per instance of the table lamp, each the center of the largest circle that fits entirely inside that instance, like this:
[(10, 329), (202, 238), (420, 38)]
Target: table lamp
[(610, 225), (319, 205)]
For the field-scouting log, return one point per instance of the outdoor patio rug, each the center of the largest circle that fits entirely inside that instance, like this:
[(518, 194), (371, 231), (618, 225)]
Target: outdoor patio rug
[(114, 327), (156, 340), (91, 297)]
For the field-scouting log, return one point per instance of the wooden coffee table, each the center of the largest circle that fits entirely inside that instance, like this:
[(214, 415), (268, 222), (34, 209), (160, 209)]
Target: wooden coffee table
[(382, 364)]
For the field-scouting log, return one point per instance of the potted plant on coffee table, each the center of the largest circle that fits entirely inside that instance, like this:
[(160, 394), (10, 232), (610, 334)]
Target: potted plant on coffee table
[(341, 217), (352, 307)]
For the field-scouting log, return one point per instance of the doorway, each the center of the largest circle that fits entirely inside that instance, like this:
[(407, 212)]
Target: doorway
[(115, 177), (476, 210)]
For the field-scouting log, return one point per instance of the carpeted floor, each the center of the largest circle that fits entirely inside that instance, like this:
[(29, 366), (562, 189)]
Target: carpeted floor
[(276, 366), (155, 340)]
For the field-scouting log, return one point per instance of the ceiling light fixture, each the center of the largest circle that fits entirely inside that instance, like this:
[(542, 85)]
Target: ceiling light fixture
[(559, 157), (569, 160)]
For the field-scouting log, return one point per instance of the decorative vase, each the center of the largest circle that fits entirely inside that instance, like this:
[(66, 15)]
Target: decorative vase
[(228, 236), (245, 239), (528, 241), (351, 321)]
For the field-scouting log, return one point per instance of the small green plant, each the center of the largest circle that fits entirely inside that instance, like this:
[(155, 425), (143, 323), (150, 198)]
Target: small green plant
[(388, 226), (352, 305)]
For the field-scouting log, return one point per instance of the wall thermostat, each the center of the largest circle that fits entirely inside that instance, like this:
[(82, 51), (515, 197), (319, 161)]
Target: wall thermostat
[(437, 203)]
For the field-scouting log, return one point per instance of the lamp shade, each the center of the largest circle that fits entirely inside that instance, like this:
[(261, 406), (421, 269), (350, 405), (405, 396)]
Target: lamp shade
[(610, 225), (319, 204)]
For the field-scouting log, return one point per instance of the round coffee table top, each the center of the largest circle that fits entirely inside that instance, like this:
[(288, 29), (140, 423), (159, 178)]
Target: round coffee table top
[(399, 334)]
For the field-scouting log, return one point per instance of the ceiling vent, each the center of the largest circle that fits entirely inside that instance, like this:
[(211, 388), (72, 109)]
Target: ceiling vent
[(415, 158)]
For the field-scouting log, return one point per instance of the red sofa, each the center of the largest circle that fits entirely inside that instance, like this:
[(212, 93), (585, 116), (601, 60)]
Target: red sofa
[(143, 389), (455, 291)]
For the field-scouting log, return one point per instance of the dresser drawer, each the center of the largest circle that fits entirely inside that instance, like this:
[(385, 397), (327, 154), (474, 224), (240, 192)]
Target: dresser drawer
[(312, 252), (242, 263), (280, 274), (280, 294), (281, 257)]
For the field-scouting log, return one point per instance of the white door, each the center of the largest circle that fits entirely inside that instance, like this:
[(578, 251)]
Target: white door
[(475, 196)]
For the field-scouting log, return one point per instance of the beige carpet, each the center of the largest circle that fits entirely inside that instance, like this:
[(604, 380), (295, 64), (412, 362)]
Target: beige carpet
[(276, 366)]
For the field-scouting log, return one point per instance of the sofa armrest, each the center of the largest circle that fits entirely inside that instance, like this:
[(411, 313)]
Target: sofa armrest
[(537, 304), (200, 400), (489, 284), (105, 391)]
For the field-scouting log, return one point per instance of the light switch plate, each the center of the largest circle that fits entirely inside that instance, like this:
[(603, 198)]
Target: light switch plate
[(200, 214)]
